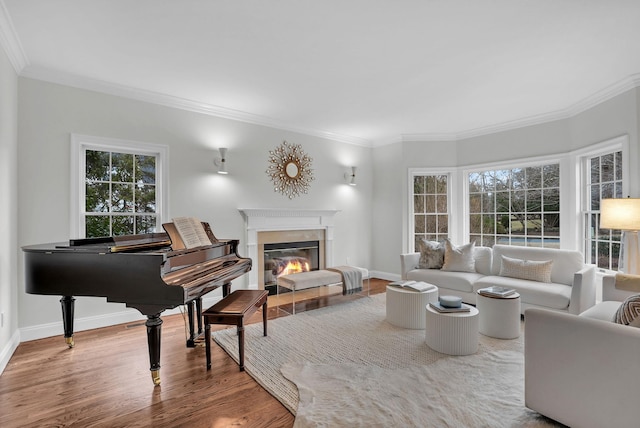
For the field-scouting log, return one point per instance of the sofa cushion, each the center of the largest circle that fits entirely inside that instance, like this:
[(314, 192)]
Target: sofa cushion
[(459, 259), (565, 262), (604, 311), (459, 281), (483, 257), (629, 312), (431, 255), (526, 269), (550, 295)]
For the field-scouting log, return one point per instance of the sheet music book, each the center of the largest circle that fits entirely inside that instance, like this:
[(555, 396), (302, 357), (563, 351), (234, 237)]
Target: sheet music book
[(191, 231)]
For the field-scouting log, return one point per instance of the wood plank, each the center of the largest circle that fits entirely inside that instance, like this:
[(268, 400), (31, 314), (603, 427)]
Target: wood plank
[(105, 380)]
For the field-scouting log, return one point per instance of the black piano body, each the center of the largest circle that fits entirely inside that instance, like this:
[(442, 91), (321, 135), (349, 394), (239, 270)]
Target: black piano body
[(141, 271)]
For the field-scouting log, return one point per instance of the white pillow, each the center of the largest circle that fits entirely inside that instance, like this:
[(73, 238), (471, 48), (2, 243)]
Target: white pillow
[(526, 269), (459, 259)]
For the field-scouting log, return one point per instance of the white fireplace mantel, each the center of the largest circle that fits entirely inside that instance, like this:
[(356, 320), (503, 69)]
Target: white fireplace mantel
[(273, 219)]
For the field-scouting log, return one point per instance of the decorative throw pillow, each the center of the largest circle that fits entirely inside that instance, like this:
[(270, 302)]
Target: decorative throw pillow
[(431, 255), (459, 259), (526, 269), (629, 312)]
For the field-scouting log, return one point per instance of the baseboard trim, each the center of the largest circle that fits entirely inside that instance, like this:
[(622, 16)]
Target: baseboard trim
[(8, 350), (89, 323), (42, 331), (385, 275)]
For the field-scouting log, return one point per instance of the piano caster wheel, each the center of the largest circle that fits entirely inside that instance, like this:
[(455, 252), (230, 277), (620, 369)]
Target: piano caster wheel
[(69, 341), (155, 375)]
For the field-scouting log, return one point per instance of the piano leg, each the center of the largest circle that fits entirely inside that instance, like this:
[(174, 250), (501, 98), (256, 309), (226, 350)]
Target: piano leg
[(154, 328), (199, 314), (68, 303), (191, 341), (193, 318)]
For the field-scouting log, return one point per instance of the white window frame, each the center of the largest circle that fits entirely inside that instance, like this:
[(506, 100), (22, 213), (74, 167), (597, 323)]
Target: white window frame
[(510, 164), (451, 185), (579, 160), (81, 143)]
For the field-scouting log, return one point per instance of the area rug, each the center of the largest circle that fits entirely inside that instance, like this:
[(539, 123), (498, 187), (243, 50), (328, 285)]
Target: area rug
[(344, 365)]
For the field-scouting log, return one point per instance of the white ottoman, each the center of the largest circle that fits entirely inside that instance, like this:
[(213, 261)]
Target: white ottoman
[(405, 307), (499, 316), (454, 333)]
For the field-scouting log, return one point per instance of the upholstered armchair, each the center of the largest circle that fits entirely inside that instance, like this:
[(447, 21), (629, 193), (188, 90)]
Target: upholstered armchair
[(583, 370)]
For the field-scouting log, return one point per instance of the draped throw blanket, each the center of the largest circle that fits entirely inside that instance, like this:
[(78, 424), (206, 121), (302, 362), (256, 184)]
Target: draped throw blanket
[(351, 278)]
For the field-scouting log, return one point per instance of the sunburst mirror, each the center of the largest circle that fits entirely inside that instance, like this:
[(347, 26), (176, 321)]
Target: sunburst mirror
[(290, 170)]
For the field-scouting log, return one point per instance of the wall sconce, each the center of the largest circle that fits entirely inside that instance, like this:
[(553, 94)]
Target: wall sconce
[(351, 177), (624, 214), (221, 162)]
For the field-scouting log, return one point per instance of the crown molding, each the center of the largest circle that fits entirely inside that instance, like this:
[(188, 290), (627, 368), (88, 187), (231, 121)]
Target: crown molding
[(513, 124), (109, 88), (10, 41), (605, 94), (115, 89), (431, 137), (581, 106)]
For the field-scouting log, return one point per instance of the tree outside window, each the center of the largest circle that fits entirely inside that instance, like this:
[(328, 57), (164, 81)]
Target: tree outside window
[(120, 193), (430, 208), (516, 206), (604, 180)]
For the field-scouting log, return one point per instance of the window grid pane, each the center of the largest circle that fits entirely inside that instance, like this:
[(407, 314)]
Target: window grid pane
[(430, 208), (120, 194), (518, 206), (604, 180)]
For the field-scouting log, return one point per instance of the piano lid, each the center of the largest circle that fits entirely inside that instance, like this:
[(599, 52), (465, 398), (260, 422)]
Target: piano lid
[(117, 244)]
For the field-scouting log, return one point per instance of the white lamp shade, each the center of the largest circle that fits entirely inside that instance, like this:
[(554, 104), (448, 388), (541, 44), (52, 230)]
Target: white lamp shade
[(621, 214)]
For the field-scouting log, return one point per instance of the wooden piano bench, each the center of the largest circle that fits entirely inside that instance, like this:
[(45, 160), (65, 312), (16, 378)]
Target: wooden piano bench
[(234, 309)]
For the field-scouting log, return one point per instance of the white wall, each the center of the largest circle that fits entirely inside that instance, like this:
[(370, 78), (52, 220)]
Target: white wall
[(388, 208), (8, 209), (612, 118), (48, 113), (370, 228)]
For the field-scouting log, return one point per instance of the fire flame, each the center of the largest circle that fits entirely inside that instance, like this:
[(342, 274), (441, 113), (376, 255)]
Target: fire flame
[(295, 267)]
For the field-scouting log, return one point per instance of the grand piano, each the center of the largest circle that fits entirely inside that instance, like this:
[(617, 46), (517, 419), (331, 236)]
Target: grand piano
[(149, 272)]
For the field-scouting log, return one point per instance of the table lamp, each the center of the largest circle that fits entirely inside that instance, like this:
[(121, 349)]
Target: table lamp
[(624, 214)]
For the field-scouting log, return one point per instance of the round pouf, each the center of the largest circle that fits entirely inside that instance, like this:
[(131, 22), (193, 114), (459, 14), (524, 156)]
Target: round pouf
[(499, 316), (405, 308), (453, 333)]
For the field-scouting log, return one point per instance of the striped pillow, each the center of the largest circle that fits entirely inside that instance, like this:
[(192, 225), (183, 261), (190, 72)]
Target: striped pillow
[(629, 312)]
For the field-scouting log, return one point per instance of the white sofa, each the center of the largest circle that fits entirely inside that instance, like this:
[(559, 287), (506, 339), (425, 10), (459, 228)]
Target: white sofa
[(582, 370), (572, 288)]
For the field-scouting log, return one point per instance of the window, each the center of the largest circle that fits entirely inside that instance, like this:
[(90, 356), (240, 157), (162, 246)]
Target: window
[(119, 187), (430, 207), (603, 180), (516, 206), (120, 194)]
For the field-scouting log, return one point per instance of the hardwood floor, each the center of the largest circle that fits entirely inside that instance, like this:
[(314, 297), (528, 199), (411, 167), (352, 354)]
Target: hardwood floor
[(104, 381)]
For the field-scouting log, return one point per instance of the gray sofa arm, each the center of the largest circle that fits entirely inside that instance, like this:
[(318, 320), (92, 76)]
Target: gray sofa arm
[(581, 371), (583, 290), (408, 262)]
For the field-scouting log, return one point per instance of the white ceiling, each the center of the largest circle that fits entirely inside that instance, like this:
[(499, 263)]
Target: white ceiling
[(363, 71)]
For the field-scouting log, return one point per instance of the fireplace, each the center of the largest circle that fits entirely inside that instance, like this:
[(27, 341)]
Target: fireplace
[(288, 257), (280, 250), (280, 226)]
